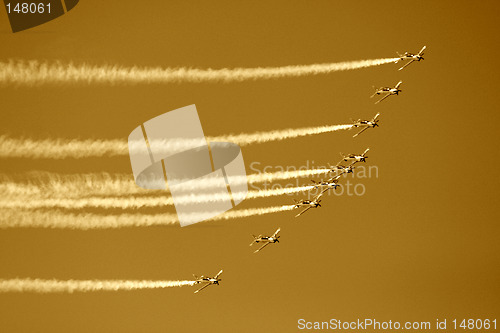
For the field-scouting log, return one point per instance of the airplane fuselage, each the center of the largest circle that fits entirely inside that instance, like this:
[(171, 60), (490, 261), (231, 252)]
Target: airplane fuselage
[(267, 240), (355, 158), (392, 91), (207, 280), (347, 169), (306, 203), (365, 123)]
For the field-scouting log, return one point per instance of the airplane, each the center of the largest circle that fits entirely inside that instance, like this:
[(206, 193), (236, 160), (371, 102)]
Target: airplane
[(356, 158), (208, 280), (330, 183), (266, 240), (343, 168), (386, 90), (366, 124), (315, 203), (412, 57)]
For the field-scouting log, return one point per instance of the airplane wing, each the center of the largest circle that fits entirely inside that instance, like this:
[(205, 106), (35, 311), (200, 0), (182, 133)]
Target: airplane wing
[(326, 189), (318, 196), (422, 50), (376, 116), (260, 248), (409, 62), (374, 94), (255, 238), (220, 272), (302, 212), (364, 129), (276, 232), (397, 85), (380, 100), (334, 179), (352, 164), (197, 291), (367, 149)]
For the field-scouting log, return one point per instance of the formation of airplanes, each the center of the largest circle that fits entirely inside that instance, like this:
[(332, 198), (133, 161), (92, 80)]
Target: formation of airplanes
[(389, 91), (331, 183), (338, 169)]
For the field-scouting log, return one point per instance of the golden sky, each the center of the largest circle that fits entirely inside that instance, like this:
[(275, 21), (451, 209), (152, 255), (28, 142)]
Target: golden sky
[(420, 244)]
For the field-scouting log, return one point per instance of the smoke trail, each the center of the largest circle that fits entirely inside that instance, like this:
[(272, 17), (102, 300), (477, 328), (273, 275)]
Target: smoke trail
[(49, 185), (60, 148), (36, 73), (138, 202), (261, 137), (64, 148), (281, 175), (70, 286), (234, 214), (84, 221), (45, 184), (23, 219)]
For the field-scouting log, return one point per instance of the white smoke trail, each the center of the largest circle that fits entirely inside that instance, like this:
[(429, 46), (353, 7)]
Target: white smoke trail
[(279, 135), (36, 73), (234, 214), (70, 286), (64, 148), (45, 184), (84, 221), (281, 175), (23, 219), (60, 148), (138, 202), (49, 185)]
